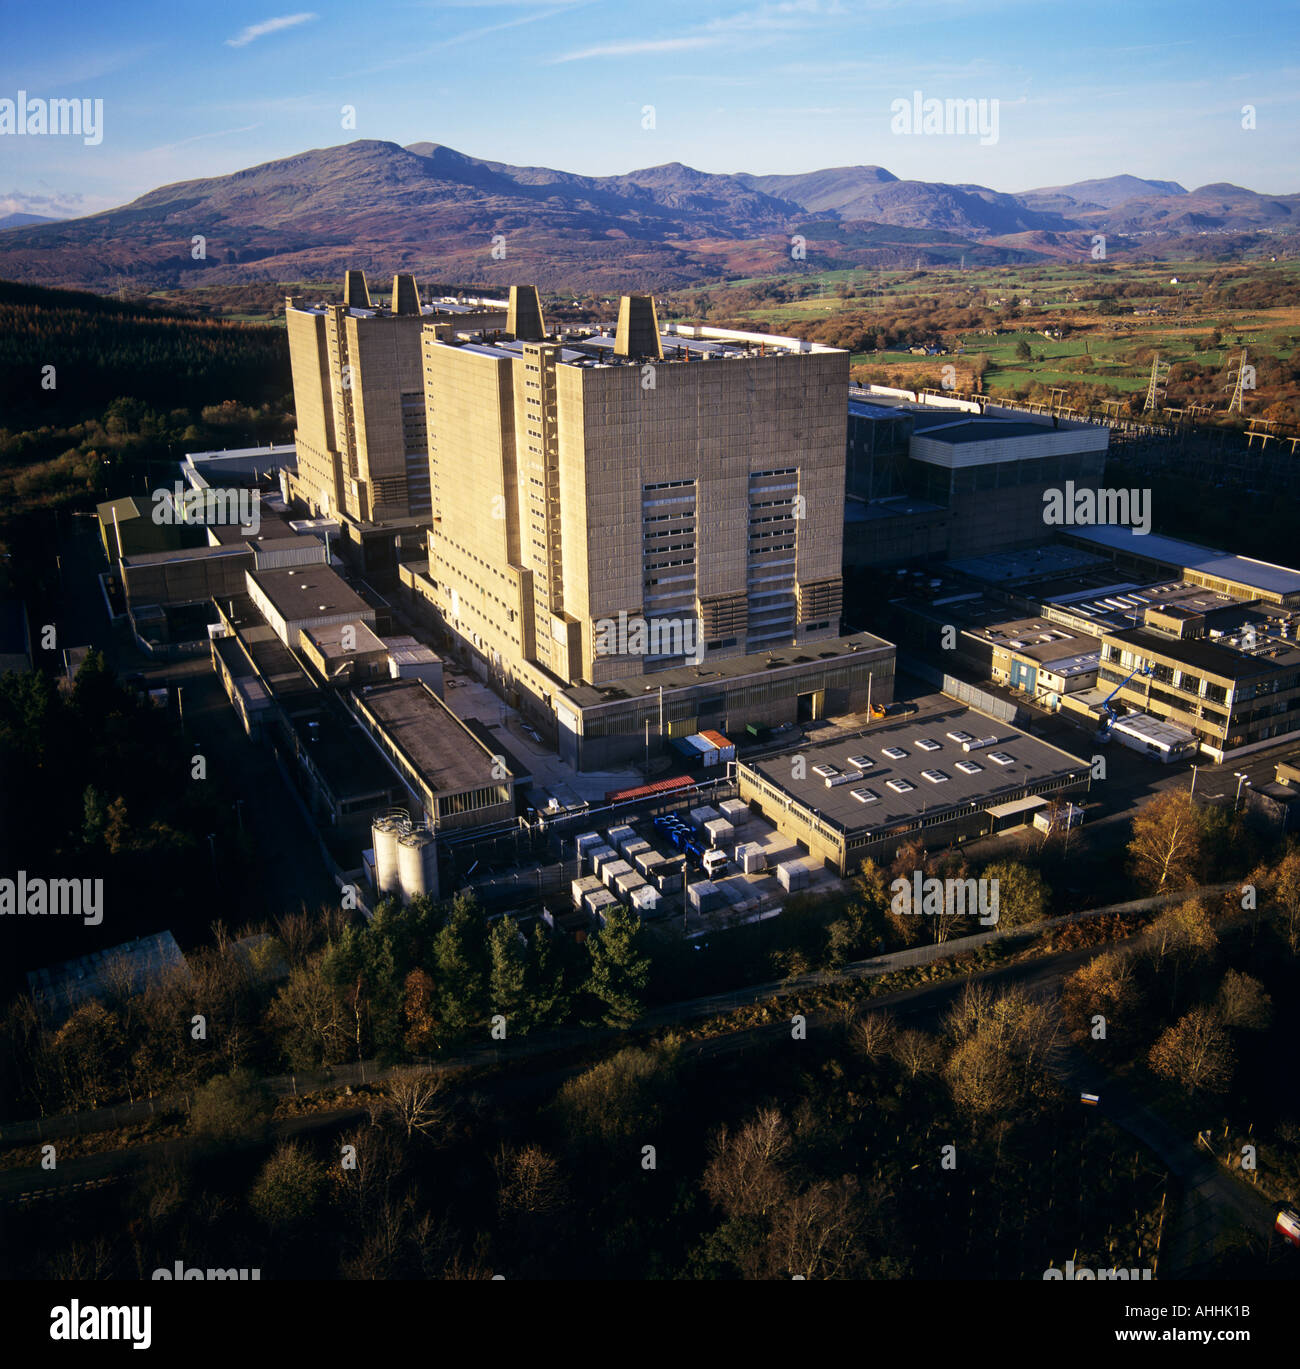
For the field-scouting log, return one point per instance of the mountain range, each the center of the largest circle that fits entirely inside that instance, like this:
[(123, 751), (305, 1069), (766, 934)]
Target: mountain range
[(439, 213)]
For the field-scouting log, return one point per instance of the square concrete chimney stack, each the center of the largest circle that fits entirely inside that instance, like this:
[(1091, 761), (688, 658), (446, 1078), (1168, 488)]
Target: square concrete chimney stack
[(638, 328), (355, 294), (406, 295), (524, 319)]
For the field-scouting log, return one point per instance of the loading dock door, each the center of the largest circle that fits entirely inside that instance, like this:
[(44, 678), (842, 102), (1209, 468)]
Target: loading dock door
[(812, 705)]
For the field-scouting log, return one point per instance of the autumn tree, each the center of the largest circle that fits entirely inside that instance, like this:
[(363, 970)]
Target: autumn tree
[(1195, 1052), (230, 1109), (1182, 936), (1022, 892), (1284, 890), (306, 1019), (1168, 841), (288, 1188), (1242, 1004), (619, 1098), (89, 1050), (1103, 986), (421, 1024)]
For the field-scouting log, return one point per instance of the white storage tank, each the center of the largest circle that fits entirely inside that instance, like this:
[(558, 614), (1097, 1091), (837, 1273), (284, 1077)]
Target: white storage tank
[(384, 832), (417, 862)]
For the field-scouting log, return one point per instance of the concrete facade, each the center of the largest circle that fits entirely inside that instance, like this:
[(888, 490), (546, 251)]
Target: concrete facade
[(359, 397), (571, 485)]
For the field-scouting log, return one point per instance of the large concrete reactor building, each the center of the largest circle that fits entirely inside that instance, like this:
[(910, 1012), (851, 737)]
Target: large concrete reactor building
[(363, 454), (618, 504)]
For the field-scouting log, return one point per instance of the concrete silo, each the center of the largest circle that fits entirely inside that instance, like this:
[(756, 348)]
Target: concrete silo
[(384, 832), (417, 861)]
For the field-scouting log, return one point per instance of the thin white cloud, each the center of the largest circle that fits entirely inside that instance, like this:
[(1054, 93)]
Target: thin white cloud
[(634, 47), (766, 22), (469, 36), (200, 138), (58, 205), (256, 31)]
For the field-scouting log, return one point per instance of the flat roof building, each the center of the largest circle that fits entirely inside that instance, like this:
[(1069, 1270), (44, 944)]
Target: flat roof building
[(1235, 686), (305, 597), (950, 480), (1242, 577), (344, 654), (459, 780), (863, 796)]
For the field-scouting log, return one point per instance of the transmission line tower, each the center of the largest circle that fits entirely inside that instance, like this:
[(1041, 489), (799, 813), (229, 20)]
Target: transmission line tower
[(1238, 370), (1156, 386)]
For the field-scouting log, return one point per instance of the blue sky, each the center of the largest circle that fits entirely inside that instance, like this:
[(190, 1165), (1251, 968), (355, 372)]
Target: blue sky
[(1153, 88)]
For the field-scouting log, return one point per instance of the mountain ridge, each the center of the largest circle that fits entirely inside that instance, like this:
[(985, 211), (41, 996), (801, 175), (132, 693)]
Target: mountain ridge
[(442, 213)]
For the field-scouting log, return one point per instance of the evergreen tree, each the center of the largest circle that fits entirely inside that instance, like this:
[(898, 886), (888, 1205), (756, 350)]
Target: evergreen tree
[(619, 968), (507, 987), (458, 967), (546, 978)]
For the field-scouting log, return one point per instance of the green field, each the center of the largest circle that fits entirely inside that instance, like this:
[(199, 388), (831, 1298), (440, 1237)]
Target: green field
[(1115, 316)]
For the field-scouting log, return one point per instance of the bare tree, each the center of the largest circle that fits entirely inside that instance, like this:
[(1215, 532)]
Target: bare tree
[(1242, 1002), (871, 1035), (296, 935), (417, 1103), (817, 1233), (916, 1051), (745, 1176), (529, 1181)]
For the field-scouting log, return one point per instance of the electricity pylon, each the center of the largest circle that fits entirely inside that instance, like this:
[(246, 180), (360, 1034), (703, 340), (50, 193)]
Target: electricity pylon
[(1156, 386), (1237, 371)]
